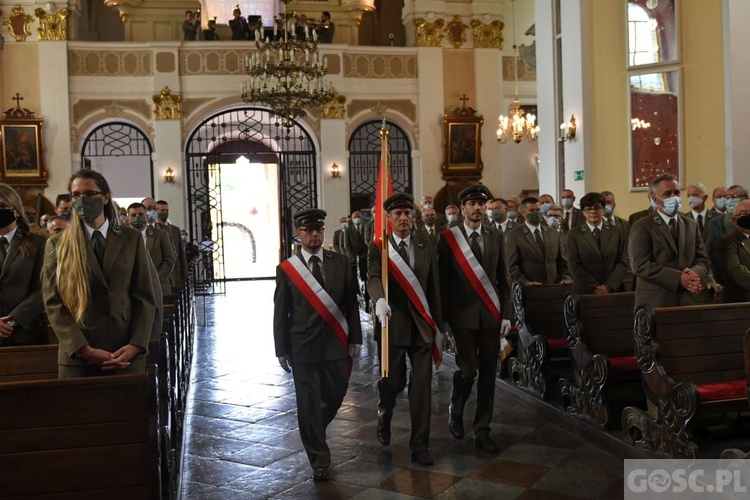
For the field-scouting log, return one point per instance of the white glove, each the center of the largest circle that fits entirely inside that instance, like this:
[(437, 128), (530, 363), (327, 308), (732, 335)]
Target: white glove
[(382, 309), (354, 350), (439, 339), (284, 362), (504, 328)]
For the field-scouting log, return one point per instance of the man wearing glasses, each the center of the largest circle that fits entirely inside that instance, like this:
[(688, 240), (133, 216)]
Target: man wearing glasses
[(733, 254), (719, 226), (316, 332), (597, 252)]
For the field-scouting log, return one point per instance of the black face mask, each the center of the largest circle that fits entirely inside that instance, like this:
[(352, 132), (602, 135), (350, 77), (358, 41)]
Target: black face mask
[(533, 218), (7, 217)]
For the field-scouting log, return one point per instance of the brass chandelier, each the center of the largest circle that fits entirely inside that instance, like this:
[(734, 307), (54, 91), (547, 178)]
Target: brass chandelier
[(286, 75), (519, 124)]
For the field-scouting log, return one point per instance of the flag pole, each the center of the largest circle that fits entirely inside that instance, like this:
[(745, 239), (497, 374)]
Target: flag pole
[(384, 341)]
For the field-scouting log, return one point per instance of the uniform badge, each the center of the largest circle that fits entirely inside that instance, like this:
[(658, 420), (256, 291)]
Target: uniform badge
[(419, 242), (117, 229)]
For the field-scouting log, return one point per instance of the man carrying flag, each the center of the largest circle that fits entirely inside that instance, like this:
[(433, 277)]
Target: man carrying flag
[(476, 300), (415, 321), (316, 331)]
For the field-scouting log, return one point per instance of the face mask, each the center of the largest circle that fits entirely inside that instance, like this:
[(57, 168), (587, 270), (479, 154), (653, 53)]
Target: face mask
[(357, 221), (730, 204), (545, 207), (720, 203), (511, 214), (430, 220), (534, 218), (496, 215), (553, 222), (152, 215), (672, 205), (453, 218), (138, 222), (65, 214), (31, 218), (88, 209), (567, 202), (344, 225), (652, 203), (7, 217), (608, 209), (695, 202), (427, 206), (185, 239), (163, 216)]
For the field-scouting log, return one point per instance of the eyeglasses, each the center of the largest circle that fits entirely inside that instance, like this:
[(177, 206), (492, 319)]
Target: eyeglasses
[(309, 230), (593, 209), (87, 194)]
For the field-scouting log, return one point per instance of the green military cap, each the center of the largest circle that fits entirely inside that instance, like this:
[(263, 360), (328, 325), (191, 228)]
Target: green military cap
[(398, 200), (310, 217), (475, 192)]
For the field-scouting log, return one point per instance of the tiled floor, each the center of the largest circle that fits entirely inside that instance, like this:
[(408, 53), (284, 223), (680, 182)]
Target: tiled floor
[(243, 441)]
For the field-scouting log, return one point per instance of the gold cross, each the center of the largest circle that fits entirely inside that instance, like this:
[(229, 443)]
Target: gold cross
[(18, 100)]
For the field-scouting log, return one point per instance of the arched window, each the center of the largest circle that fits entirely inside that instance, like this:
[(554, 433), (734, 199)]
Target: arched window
[(222, 10)]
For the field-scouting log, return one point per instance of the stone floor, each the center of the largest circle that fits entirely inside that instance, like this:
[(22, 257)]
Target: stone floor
[(243, 443)]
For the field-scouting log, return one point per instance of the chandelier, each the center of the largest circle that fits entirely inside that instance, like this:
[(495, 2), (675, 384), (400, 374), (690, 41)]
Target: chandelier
[(286, 74), (519, 124)]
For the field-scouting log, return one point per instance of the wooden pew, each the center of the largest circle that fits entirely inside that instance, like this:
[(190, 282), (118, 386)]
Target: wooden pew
[(81, 438), (538, 312), (692, 365), (606, 377), (30, 362)]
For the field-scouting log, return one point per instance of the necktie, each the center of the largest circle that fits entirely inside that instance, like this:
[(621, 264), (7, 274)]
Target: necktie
[(673, 228), (99, 243), (566, 222), (700, 222), (402, 251), (474, 245), (3, 250), (539, 240), (432, 232), (317, 272), (597, 236)]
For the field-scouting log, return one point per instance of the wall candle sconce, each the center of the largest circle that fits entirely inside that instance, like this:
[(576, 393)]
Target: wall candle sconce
[(568, 129), (169, 176), (335, 173)]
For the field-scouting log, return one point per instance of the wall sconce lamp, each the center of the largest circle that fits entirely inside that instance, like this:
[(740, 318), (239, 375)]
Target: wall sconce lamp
[(568, 129), (335, 172), (169, 176)]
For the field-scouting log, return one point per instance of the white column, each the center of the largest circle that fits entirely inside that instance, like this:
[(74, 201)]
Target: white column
[(168, 153), (54, 91), (334, 193), (431, 110), (546, 104), (488, 91), (736, 91)]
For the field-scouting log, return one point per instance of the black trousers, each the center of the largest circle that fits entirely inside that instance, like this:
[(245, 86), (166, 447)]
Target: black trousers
[(420, 393), (476, 351), (320, 388)]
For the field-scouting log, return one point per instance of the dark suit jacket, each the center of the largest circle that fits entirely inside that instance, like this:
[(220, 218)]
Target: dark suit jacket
[(622, 224), (718, 227), (710, 215), (355, 244), (121, 310), (159, 247), (733, 254), (299, 331), (462, 307), (337, 241), (591, 266), (425, 233), (403, 313), (21, 296), (655, 260), (636, 216), (577, 219), (180, 270), (526, 262)]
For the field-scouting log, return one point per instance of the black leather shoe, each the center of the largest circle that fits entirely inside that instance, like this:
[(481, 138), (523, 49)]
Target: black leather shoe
[(455, 423), (422, 458), (384, 426), (484, 443), (320, 473)]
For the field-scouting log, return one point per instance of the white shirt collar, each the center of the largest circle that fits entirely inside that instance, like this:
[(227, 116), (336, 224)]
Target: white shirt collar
[(398, 239), (591, 228), (10, 234), (665, 217), (696, 214), (532, 228), (102, 229), (306, 255), (470, 230)]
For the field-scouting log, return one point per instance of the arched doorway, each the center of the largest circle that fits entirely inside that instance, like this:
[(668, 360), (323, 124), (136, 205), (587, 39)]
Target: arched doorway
[(122, 153), (364, 157), (238, 142)]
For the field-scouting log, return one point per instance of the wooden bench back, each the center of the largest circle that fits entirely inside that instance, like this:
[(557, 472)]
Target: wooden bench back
[(29, 362), (702, 344), (543, 309), (76, 438), (607, 323)]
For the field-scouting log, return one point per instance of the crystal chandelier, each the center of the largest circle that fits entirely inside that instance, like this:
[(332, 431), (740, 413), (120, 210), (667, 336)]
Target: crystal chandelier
[(519, 124), (286, 75)]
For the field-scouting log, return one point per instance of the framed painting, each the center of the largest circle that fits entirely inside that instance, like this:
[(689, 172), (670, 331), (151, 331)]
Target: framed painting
[(463, 144), (21, 148)]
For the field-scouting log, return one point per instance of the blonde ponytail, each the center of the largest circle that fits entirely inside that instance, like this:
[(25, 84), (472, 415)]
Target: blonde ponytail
[(72, 271)]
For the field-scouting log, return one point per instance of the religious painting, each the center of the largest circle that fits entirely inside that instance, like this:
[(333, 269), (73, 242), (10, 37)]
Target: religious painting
[(463, 144), (21, 150)]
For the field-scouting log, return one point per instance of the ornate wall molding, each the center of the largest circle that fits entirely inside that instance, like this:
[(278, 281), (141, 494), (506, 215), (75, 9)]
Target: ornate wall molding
[(488, 36), (111, 108), (336, 108), (429, 34), (18, 23), (109, 62), (377, 112), (52, 25), (456, 32), (167, 105), (212, 62), (524, 74), (380, 66), (79, 131)]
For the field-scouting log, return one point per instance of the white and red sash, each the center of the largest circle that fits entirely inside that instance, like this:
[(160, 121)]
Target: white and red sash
[(316, 295), (407, 280), (473, 270)]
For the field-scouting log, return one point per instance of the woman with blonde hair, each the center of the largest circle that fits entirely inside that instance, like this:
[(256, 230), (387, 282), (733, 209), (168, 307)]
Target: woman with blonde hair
[(97, 287), (22, 319)]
